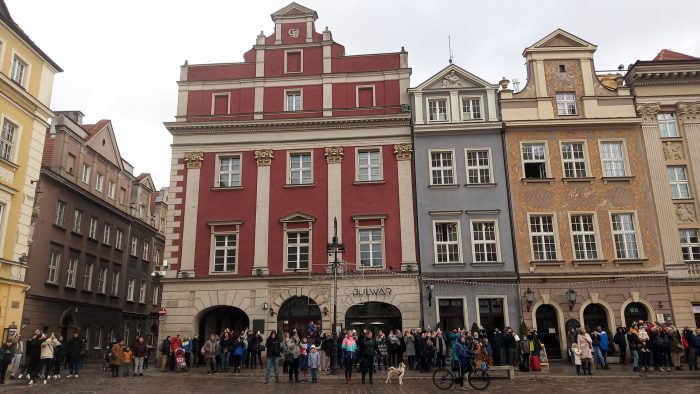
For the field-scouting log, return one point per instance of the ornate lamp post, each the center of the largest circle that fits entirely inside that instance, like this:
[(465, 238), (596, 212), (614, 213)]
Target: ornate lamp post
[(571, 295), (335, 247)]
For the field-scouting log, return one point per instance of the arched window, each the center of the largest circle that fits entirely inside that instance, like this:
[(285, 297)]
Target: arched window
[(373, 316), (635, 311), (593, 316), (296, 313)]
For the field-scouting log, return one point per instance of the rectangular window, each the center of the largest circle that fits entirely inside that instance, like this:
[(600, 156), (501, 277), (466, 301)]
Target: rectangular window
[(54, 265), (573, 156), (446, 236), (60, 211), (134, 245), (369, 165), (613, 156), (87, 277), (122, 195), (142, 211), (70, 164), (300, 171), (441, 168), (542, 237), (99, 182), (566, 103), (106, 234), (71, 271), (77, 221), (625, 236), (7, 139), (130, 289), (115, 283), (471, 109), (102, 280), (118, 239), (690, 244), (92, 232), (485, 241), (478, 167), (667, 124), (85, 174), (230, 171), (225, 248), (451, 312), (157, 255), (534, 160), (19, 70), (111, 187), (293, 101), (678, 180), (437, 110), (156, 295), (370, 241), (293, 62), (142, 292), (298, 246), (221, 104), (365, 97), (145, 250), (583, 233)]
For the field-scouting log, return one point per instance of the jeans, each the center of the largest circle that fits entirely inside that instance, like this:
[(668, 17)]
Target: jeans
[(623, 354), (348, 362), (73, 365), (294, 370), (645, 359), (598, 356), (367, 365), (225, 357), (692, 357), (512, 356), (314, 375), (14, 365), (272, 362), (139, 365), (440, 359), (211, 365), (46, 364), (635, 358)]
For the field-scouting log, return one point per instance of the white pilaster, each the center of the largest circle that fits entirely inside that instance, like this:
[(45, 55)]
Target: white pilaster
[(454, 107), (327, 98), (418, 107), (334, 158), (491, 99), (258, 106), (193, 162), (404, 153), (260, 63), (262, 210), (587, 71)]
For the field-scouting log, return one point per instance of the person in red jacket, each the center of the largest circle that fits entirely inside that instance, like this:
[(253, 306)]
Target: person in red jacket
[(140, 352)]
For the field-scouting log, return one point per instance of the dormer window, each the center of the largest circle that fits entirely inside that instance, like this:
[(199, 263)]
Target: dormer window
[(566, 103), (437, 110), (471, 108)]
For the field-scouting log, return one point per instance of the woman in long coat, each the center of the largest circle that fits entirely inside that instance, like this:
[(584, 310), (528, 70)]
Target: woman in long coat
[(585, 344), (410, 341)]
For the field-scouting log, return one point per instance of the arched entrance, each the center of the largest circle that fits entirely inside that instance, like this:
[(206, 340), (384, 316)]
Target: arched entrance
[(296, 313), (635, 311), (571, 326), (67, 326), (373, 316), (595, 315), (216, 319), (548, 329)]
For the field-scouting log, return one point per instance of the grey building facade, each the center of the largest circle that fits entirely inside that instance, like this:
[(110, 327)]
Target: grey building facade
[(466, 253)]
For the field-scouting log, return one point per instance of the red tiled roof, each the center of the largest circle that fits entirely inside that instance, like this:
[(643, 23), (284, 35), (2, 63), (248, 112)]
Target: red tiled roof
[(667, 54), (91, 129), (47, 155)]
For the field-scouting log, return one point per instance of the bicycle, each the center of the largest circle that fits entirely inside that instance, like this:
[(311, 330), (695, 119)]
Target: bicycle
[(444, 378)]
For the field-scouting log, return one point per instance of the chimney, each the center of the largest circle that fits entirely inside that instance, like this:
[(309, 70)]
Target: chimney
[(75, 116)]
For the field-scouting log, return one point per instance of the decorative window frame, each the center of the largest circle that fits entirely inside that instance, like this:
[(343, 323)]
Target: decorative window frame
[(555, 227), (586, 159), (596, 234), (60, 220), (499, 259), (689, 245), (26, 77), (359, 150), (357, 95), (466, 165), (19, 131), (361, 224), (217, 172), (625, 157), (446, 99), (675, 183), (504, 303), (465, 309), (637, 233), (481, 107), (564, 100), (454, 167), (547, 159), (223, 228), (99, 181), (289, 167), (674, 120), (301, 60), (294, 223), (111, 189), (228, 101), (301, 99), (459, 242), (83, 172)]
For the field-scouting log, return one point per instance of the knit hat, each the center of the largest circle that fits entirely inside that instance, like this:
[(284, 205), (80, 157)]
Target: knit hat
[(313, 346)]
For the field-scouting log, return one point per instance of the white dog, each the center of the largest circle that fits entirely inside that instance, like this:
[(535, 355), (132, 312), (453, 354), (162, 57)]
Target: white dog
[(396, 373)]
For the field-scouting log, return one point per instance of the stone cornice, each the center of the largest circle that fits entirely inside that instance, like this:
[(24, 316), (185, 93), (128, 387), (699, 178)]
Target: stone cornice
[(571, 122), (185, 128)]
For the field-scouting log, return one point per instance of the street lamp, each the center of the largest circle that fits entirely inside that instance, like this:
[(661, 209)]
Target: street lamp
[(529, 298), (335, 247), (571, 295)]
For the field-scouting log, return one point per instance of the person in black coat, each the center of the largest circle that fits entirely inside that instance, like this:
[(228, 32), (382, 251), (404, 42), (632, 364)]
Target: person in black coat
[(621, 341), (33, 351), (368, 349), (497, 346), (422, 352)]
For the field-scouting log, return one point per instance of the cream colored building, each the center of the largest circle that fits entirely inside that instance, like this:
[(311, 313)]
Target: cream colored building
[(668, 101), (26, 82)]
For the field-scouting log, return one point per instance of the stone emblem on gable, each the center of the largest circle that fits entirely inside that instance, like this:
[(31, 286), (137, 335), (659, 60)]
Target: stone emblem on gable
[(452, 80), (294, 33)]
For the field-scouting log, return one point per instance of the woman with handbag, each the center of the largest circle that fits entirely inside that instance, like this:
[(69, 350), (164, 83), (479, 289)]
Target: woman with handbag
[(349, 347)]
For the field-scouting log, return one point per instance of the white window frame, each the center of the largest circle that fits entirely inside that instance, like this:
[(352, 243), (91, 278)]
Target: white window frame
[(142, 292), (433, 99), (368, 165), (573, 160), (541, 235), (228, 102), (495, 242), (227, 248), (684, 235), (106, 233), (134, 245), (680, 188), (85, 173), (584, 233), (441, 168), (603, 159), (111, 188), (92, 230), (102, 280), (146, 246), (115, 283), (54, 266), (231, 173), (465, 310), (87, 276), (9, 145), (301, 60), (131, 283), (60, 213), (370, 243), (118, 239), (287, 93), (504, 304), (479, 167), (546, 160), (357, 95), (99, 182), (77, 221), (471, 117), (24, 77), (299, 245), (301, 169), (447, 243), (155, 295), (142, 210), (636, 232), (566, 101), (666, 119)]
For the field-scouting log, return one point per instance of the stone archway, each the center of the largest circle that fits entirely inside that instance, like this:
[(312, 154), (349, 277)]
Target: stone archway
[(609, 314), (296, 313), (68, 322), (651, 312), (216, 319)]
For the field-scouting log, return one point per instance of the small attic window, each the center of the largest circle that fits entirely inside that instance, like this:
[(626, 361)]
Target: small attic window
[(103, 142), (562, 68)]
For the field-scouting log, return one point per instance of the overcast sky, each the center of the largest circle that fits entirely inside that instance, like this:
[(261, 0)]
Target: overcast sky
[(121, 58)]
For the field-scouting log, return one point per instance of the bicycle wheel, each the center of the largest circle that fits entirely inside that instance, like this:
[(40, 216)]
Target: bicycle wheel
[(443, 378), (479, 379)]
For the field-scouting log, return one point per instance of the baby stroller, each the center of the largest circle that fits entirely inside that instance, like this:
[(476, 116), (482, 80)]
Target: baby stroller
[(180, 363)]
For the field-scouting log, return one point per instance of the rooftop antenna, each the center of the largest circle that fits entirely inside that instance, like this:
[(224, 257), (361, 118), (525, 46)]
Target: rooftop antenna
[(449, 47)]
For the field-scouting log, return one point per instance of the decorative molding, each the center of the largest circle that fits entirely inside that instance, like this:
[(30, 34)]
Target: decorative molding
[(194, 159), (648, 112), (452, 80), (264, 157), (686, 213), (403, 151), (689, 112), (334, 154), (673, 150)]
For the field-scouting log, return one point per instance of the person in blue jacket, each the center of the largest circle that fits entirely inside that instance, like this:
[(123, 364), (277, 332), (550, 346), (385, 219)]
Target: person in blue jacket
[(604, 346), (464, 355)]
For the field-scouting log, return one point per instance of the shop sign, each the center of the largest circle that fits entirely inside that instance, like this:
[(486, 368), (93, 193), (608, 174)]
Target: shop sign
[(372, 291)]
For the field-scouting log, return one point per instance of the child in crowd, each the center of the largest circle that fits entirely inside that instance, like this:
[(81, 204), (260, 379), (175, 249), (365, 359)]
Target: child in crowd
[(577, 357), (314, 363), (127, 360), (303, 363)]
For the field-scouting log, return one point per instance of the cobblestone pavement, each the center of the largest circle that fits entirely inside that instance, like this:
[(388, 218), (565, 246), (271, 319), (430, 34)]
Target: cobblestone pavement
[(250, 381)]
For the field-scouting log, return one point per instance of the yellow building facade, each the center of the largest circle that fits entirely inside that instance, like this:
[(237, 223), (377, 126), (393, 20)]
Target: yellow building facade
[(26, 83)]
